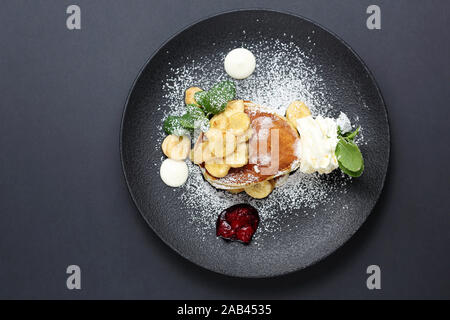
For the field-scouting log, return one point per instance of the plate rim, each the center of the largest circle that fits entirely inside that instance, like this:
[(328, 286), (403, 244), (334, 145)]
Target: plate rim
[(253, 9)]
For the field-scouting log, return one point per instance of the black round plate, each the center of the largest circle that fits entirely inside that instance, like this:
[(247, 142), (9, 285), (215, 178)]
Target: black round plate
[(347, 83)]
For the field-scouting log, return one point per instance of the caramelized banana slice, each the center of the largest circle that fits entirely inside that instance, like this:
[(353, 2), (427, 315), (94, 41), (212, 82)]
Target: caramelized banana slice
[(236, 191), (239, 158), (201, 153), (222, 143), (214, 134), (245, 137), (189, 95), (197, 153), (217, 170), (219, 121), (239, 123), (175, 147), (295, 111), (259, 190), (207, 152), (233, 107)]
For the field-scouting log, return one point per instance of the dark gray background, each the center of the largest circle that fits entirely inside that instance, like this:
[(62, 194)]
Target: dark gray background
[(63, 198)]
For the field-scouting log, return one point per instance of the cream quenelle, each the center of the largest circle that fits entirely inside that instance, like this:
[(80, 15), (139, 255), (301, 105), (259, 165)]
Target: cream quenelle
[(318, 140), (174, 173), (240, 63)]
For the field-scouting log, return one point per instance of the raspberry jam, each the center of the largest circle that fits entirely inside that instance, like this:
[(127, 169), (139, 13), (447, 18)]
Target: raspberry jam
[(238, 223)]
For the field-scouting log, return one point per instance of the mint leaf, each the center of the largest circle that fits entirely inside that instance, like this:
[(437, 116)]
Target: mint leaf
[(350, 136), (195, 111), (351, 173), (181, 125), (219, 95), (201, 97), (215, 100), (173, 125), (348, 154), (187, 121), (197, 117)]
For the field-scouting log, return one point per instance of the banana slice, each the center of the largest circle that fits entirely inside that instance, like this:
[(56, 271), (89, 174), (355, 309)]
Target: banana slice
[(239, 123), (295, 111), (259, 190), (222, 143), (201, 153), (197, 153), (189, 97), (217, 170), (245, 137), (236, 191), (233, 107), (214, 134), (208, 154), (175, 147), (219, 121), (280, 181), (239, 158)]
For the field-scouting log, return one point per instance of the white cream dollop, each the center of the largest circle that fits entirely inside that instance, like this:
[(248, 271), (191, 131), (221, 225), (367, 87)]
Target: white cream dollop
[(240, 63), (318, 140), (173, 173)]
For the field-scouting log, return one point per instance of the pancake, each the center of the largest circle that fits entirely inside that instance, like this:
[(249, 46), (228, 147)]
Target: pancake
[(272, 150)]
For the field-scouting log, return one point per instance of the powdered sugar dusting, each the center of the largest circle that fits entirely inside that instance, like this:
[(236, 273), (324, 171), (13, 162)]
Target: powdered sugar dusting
[(282, 75), (295, 193)]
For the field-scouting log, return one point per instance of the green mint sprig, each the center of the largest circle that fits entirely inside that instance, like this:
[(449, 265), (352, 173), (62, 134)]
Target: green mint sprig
[(349, 156), (213, 102), (182, 125), (173, 125)]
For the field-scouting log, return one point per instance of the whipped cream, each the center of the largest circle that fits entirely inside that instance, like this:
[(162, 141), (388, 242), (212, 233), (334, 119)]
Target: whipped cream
[(240, 63), (174, 173), (318, 140)]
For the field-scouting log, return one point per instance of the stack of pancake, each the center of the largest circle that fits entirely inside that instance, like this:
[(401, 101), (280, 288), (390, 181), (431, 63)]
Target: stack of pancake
[(270, 144)]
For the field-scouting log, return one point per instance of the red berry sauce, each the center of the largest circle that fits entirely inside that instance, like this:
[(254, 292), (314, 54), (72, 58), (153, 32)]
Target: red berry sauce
[(238, 223)]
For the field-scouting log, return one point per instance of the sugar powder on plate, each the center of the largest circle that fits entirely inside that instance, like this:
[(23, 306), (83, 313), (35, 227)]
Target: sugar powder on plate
[(282, 75)]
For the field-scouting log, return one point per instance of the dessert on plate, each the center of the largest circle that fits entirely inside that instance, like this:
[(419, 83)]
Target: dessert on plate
[(260, 146), (241, 146)]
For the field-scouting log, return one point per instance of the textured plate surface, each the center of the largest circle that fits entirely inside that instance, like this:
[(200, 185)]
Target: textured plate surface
[(318, 232)]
